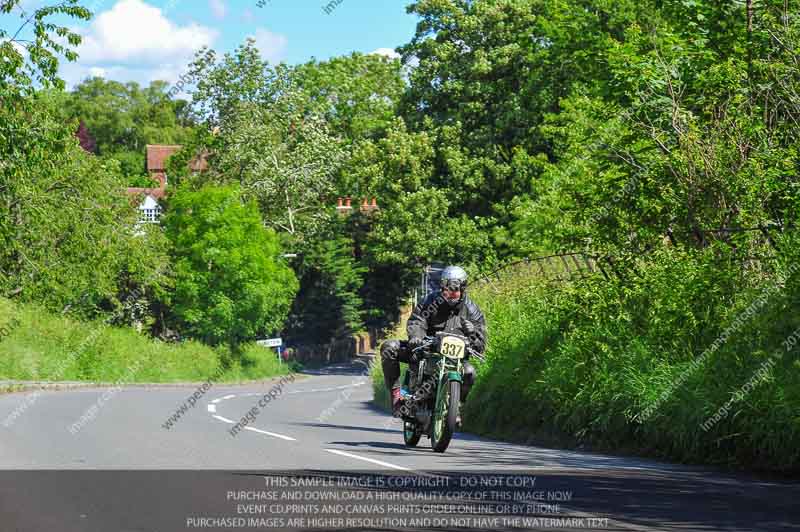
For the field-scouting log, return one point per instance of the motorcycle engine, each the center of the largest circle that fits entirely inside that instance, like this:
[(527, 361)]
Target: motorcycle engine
[(423, 416)]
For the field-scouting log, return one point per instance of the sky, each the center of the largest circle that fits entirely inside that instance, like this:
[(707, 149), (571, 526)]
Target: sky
[(144, 40)]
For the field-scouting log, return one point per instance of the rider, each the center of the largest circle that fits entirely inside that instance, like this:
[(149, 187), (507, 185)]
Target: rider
[(449, 310)]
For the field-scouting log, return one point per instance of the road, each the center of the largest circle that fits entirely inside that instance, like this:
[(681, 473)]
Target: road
[(120, 469)]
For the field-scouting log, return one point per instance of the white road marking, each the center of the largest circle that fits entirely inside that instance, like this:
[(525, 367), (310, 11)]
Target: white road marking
[(231, 396), (226, 420), (378, 462), (212, 408), (281, 436), (254, 394), (215, 401), (329, 389)]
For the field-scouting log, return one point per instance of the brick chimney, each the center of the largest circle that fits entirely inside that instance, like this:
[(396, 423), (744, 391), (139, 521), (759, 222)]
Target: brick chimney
[(343, 209), (344, 205), (367, 207)]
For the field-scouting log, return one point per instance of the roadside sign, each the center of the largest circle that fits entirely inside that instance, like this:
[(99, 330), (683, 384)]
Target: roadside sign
[(270, 342)]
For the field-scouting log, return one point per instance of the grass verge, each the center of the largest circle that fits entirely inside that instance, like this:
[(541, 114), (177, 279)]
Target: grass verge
[(40, 346)]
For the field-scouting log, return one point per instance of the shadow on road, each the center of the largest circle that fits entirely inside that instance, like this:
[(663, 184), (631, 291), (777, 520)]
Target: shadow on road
[(374, 445), (353, 368), (345, 427)]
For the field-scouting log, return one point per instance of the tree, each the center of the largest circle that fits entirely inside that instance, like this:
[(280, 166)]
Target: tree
[(231, 284), (85, 138), (357, 95), (328, 304), (693, 127), (238, 78), (286, 162), (417, 222), (67, 231), (23, 60), (66, 226), (123, 118)]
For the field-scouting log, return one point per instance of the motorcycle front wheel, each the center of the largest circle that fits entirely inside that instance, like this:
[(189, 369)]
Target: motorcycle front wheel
[(446, 413)]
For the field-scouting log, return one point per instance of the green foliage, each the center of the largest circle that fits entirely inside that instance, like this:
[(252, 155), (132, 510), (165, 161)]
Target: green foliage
[(688, 129), (123, 118), (285, 162), (255, 363), (66, 227), (328, 304), (230, 282), (356, 94), (29, 54), (419, 222), (584, 362), (238, 78), (51, 347), (490, 71)]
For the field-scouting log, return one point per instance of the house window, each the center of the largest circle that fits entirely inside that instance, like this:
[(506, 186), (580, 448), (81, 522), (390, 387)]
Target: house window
[(150, 211), (151, 215)]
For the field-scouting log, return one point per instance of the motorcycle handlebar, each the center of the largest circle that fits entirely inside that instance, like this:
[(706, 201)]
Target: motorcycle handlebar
[(430, 340)]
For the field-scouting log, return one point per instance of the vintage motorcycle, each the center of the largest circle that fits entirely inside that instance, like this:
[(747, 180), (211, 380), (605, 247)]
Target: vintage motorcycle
[(432, 393)]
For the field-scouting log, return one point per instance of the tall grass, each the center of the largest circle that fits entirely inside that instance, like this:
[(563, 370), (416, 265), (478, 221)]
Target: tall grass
[(49, 347), (582, 363)]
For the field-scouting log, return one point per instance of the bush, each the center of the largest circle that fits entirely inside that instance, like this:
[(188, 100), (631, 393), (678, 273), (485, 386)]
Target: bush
[(231, 283), (256, 362), (610, 363)]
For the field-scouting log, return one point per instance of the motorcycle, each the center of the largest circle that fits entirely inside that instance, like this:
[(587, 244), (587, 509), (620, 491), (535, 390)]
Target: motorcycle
[(432, 393)]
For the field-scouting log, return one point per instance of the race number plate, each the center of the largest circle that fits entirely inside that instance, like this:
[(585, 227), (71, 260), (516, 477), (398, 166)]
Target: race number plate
[(453, 346)]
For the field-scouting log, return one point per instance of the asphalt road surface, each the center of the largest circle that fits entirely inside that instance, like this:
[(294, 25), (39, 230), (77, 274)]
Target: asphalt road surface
[(317, 455)]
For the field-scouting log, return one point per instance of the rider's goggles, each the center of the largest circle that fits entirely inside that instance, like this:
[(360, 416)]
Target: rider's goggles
[(451, 284)]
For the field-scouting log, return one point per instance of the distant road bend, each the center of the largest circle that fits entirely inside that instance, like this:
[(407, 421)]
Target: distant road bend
[(320, 456)]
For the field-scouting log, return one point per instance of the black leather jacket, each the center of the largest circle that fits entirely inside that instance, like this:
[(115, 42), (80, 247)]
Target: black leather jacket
[(433, 314)]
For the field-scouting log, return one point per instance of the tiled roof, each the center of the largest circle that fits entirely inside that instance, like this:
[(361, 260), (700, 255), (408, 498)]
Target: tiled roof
[(157, 193), (157, 155)]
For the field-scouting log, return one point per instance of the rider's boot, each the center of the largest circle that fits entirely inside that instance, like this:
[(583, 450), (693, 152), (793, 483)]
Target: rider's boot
[(397, 402)]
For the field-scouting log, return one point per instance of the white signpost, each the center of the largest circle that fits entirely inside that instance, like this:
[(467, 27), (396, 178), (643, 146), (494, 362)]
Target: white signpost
[(270, 342)]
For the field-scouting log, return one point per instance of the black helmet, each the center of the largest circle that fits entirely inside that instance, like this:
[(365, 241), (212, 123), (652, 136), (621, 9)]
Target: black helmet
[(454, 278)]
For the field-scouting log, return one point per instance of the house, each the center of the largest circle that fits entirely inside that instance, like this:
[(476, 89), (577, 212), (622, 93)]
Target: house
[(157, 155)]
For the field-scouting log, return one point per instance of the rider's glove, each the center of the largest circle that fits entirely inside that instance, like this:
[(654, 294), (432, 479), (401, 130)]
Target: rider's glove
[(468, 328), (414, 342)]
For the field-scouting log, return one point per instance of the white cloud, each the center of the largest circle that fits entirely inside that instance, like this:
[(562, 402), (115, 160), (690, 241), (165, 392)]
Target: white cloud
[(136, 32), (271, 45), (387, 52), (217, 8), (135, 41)]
